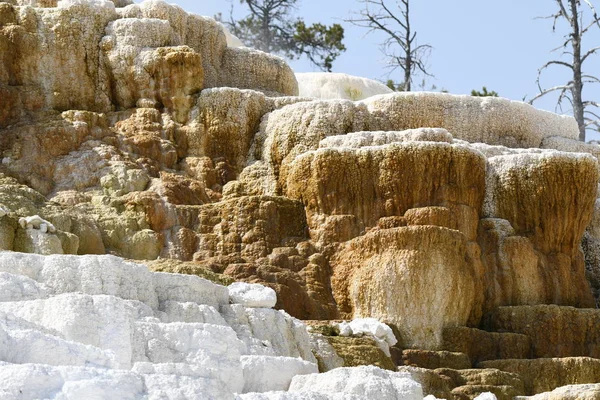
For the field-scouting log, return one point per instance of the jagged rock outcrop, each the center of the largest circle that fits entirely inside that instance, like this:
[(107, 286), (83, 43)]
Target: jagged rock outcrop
[(441, 215), (108, 43), (99, 320)]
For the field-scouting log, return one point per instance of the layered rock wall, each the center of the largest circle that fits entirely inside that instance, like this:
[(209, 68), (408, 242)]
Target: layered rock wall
[(425, 210)]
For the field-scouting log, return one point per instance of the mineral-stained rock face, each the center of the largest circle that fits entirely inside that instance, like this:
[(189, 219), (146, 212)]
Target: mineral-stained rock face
[(554, 331), (108, 64), (545, 374), (441, 289), (373, 182), (136, 130), (544, 229)]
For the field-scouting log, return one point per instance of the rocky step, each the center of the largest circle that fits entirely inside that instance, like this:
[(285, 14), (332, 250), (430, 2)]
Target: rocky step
[(555, 331), (356, 351), (434, 359), (447, 383), (354, 345), (113, 328), (569, 392), (481, 345), (469, 392), (546, 374)]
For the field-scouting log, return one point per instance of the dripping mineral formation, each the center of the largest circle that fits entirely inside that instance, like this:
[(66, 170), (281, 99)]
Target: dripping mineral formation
[(184, 217)]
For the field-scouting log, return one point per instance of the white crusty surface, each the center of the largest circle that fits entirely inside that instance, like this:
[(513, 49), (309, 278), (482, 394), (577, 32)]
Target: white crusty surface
[(252, 295), (298, 128), (367, 381), (368, 326), (81, 326), (268, 373), (328, 85), (378, 138), (492, 120)]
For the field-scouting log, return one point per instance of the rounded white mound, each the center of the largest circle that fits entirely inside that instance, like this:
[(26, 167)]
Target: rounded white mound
[(100, 327), (232, 40), (328, 85), (370, 326), (252, 295)]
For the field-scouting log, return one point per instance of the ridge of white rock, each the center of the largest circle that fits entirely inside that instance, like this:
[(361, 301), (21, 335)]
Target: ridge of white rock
[(367, 381), (357, 383), (382, 333), (37, 222), (378, 138), (73, 326), (252, 295), (99, 326), (232, 40), (329, 85)]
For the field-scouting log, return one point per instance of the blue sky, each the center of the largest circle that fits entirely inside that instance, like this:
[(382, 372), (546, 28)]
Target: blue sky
[(499, 44)]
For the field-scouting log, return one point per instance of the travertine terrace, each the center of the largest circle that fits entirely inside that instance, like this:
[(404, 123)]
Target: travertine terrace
[(152, 168)]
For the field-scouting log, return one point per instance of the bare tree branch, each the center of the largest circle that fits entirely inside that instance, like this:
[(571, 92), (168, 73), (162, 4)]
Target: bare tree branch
[(546, 91), (395, 23), (570, 11)]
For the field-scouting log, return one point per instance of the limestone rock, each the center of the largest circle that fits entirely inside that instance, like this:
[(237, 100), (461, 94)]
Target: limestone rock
[(252, 69), (483, 377), (569, 392), (591, 247), (484, 392), (554, 331), (326, 85), (97, 321), (138, 53), (489, 120), (266, 374), (426, 211), (188, 268), (435, 359), (252, 295), (482, 345), (570, 145), (368, 382), (378, 138), (225, 126), (431, 258), (170, 38), (546, 374), (546, 223), (35, 241), (36, 68), (327, 358), (521, 181), (356, 351), (433, 383), (368, 326), (374, 182), (298, 128)]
